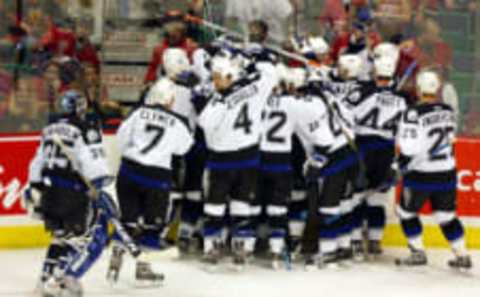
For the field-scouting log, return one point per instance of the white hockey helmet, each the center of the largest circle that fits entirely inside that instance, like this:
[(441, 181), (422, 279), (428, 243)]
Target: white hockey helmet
[(316, 45), (175, 61), (226, 67), (350, 64), (282, 71), (385, 67), (428, 83), (386, 49), (296, 77), (161, 93)]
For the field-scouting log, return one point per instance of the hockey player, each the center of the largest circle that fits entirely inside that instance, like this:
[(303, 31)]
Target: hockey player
[(377, 108), (275, 180), (426, 143), (56, 188), (188, 169), (230, 121), (148, 139), (343, 80)]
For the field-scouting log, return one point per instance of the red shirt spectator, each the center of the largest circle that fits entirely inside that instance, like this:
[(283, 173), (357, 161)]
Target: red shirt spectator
[(340, 44), (88, 54), (59, 41), (187, 44)]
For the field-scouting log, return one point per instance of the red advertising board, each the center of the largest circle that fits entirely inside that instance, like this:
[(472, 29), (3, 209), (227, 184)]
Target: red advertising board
[(15, 155), (17, 151)]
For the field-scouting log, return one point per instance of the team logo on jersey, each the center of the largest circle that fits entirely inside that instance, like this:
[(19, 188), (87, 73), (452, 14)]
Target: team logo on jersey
[(93, 136), (411, 116)]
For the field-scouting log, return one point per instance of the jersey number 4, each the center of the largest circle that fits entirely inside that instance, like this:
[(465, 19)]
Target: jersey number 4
[(371, 120), (243, 121), (157, 132)]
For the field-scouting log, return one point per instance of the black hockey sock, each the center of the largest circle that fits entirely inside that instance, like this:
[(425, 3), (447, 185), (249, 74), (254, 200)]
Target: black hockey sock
[(358, 215), (453, 230), (328, 232), (376, 217), (191, 211), (345, 224), (213, 226), (411, 227)]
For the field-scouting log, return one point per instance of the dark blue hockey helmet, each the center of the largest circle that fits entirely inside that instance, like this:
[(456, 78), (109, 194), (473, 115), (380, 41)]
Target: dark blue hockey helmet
[(73, 103)]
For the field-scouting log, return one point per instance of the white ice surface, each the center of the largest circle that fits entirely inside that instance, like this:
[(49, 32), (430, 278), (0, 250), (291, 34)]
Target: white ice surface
[(19, 271)]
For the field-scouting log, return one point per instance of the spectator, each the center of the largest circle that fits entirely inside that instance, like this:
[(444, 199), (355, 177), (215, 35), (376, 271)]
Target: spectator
[(276, 14), (361, 38), (26, 112), (175, 36), (53, 85), (86, 51), (393, 17), (60, 39)]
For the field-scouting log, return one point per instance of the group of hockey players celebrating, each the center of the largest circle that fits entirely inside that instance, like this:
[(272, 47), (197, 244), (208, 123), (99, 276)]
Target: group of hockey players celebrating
[(255, 158)]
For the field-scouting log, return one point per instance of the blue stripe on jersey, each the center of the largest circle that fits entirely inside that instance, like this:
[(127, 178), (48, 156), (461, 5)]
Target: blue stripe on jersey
[(243, 164), (276, 167), (67, 184), (429, 187), (144, 181), (340, 165)]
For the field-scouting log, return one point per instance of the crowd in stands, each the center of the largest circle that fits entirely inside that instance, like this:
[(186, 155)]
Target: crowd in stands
[(48, 53)]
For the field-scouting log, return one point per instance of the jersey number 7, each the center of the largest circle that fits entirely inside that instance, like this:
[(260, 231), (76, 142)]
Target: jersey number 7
[(157, 132)]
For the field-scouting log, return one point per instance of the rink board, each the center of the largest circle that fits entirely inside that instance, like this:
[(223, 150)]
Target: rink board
[(17, 230)]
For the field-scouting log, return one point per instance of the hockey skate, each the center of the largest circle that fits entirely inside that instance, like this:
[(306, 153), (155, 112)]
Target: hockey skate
[(328, 260), (416, 258), (462, 263), (240, 256), (183, 245), (146, 277), (212, 257), (345, 254), (310, 262), (115, 264), (358, 251), (374, 249)]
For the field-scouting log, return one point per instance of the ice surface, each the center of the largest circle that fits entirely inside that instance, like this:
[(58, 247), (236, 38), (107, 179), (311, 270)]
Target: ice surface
[(19, 271)]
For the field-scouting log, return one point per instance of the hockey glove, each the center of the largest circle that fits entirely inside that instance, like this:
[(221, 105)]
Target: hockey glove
[(313, 165), (32, 199)]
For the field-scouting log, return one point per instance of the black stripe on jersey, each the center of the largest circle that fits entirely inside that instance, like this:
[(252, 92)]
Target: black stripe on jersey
[(146, 171), (90, 130), (240, 155), (423, 108), (275, 158), (243, 82)]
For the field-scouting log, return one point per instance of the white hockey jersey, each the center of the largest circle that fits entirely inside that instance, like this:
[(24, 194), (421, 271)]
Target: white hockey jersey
[(232, 121), (377, 110), (183, 104), (85, 156), (425, 135), (277, 124), (151, 135)]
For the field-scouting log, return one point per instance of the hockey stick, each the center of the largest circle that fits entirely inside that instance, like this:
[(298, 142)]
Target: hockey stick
[(308, 63), (93, 193), (407, 74)]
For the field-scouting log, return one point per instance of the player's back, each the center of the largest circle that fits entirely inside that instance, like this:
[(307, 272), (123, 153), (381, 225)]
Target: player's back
[(151, 135), (231, 120), (426, 135), (377, 110), (85, 157)]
